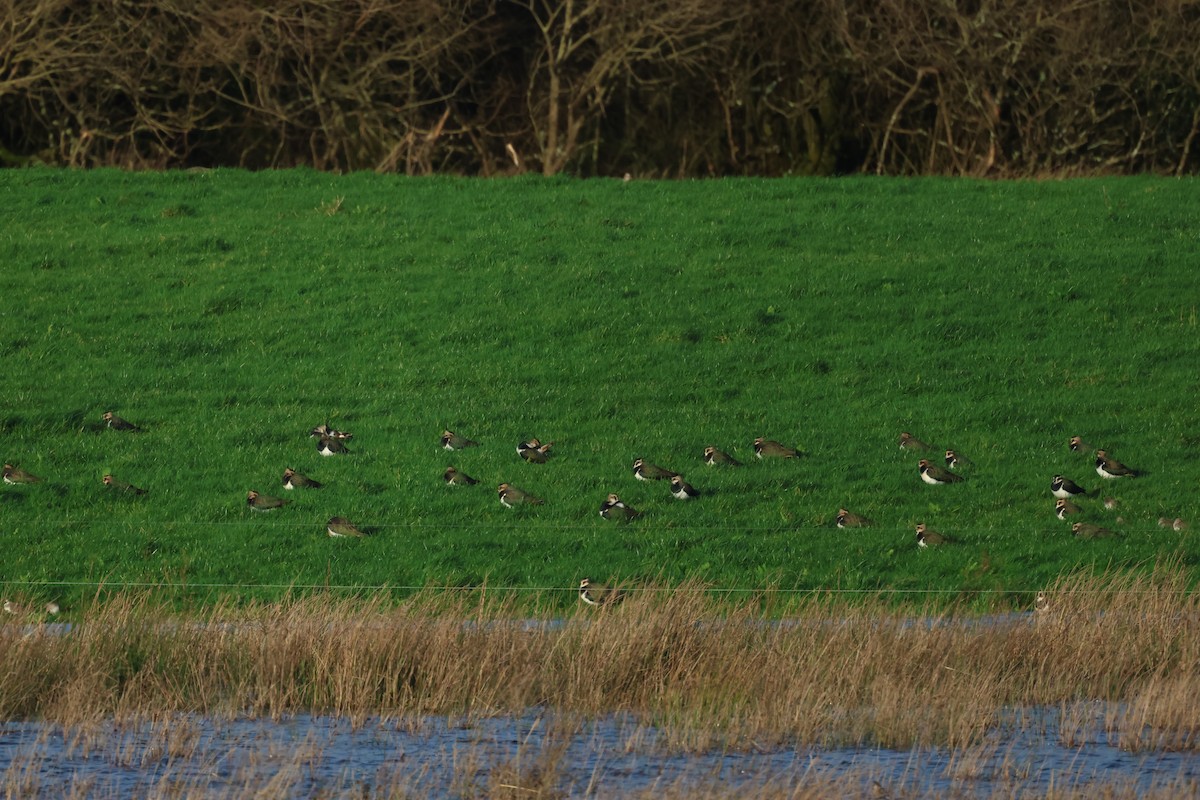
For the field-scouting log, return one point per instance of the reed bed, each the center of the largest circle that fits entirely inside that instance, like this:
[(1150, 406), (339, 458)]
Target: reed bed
[(706, 672)]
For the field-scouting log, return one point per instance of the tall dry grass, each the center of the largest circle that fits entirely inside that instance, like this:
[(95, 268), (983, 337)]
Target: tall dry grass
[(707, 673)]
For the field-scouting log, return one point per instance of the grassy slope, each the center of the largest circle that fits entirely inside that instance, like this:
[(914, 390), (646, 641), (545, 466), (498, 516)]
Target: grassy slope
[(228, 313)]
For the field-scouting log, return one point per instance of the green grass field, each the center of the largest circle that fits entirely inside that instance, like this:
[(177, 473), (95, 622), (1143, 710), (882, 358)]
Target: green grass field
[(228, 313)]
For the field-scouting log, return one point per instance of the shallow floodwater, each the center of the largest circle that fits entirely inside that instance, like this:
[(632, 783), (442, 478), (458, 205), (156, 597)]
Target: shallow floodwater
[(316, 756)]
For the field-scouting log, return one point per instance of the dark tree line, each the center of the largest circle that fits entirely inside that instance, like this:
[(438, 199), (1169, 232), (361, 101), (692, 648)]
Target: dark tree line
[(668, 88)]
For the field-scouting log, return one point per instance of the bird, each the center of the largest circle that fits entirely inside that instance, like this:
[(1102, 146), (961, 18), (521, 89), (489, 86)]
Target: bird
[(12, 608), (342, 527), (1086, 530), (1078, 445), (323, 431), (122, 486), (453, 477), (1063, 508), (534, 451), (928, 538), (644, 471), (295, 480), (1164, 522), (511, 496), (52, 608), (1110, 503), (14, 475), (935, 475), (452, 441), (1065, 488), (328, 446), (614, 508), (910, 442), (714, 456), (682, 490), (1179, 524), (954, 460), (118, 424), (848, 519), (594, 594), (1041, 602), (1111, 468), (264, 502), (769, 448)]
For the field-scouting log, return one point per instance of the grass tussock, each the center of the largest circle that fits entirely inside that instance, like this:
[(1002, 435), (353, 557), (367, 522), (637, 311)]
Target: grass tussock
[(705, 672)]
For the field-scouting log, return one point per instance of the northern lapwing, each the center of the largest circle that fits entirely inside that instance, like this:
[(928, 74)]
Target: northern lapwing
[(594, 594), (928, 538), (1179, 524), (769, 448), (848, 519), (955, 460), (118, 424), (910, 442), (933, 474), (1078, 445), (452, 441), (122, 486), (714, 456), (323, 431), (296, 480), (614, 508), (264, 502), (511, 496), (454, 477), (1086, 530), (534, 451), (1111, 468), (52, 608), (342, 527), (1064, 508), (1041, 602), (328, 446), (1065, 488), (645, 471), (682, 490), (14, 475)]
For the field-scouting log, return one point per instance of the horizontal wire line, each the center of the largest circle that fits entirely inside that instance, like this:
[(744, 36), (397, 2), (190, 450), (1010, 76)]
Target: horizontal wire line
[(483, 587)]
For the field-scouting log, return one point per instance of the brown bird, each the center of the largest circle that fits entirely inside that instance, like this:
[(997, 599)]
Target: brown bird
[(1078, 445), (846, 519), (534, 451), (295, 480), (714, 456), (614, 508), (769, 448), (1086, 530), (452, 441), (594, 594), (122, 486), (910, 442), (933, 474), (928, 538), (14, 475), (1063, 508), (1111, 468), (263, 502), (454, 477), (511, 496), (342, 527), (645, 471), (118, 424)]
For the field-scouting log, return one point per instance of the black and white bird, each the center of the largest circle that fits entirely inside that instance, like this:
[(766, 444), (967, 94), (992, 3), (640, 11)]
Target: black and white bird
[(1064, 508), (714, 456), (955, 460), (910, 442), (928, 538), (933, 474), (1065, 488), (296, 480), (122, 486), (342, 527), (264, 502), (645, 471), (848, 519), (14, 475), (511, 496), (614, 508), (1086, 530), (595, 594), (452, 441), (682, 490), (455, 477), (327, 446), (533, 451), (769, 448), (1111, 468), (118, 424)]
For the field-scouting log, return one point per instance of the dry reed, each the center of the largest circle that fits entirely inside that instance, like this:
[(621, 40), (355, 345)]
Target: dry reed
[(708, 674)]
